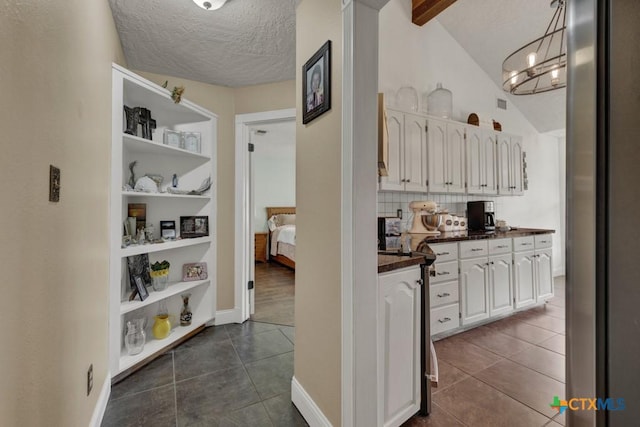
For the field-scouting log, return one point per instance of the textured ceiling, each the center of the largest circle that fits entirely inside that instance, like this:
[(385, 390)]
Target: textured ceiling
[(249, 42), (490, 30), (246, 42)]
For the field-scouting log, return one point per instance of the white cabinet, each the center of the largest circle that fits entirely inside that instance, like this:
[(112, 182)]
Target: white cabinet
[(474, 290), (446, 171), (500, 285), (481, 161), (444, 288), (510, 172), (191, 168), (407, 163), (533, 269), (399, 324)]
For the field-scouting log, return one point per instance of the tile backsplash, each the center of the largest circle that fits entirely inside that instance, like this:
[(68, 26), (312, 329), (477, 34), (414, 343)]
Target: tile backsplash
[(390, 201)]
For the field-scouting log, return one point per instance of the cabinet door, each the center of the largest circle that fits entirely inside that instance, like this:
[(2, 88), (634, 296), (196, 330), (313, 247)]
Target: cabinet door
[(395, 126), (415, 153), (501, 289), (474, 290), (489, 162), (524, 278), (544, 274), (437, 155), (504, 168), (516, 166), (475, 151), (455, 157), (399, 347)]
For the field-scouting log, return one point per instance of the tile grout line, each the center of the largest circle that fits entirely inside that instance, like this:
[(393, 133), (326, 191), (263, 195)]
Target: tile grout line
[(541, 373)]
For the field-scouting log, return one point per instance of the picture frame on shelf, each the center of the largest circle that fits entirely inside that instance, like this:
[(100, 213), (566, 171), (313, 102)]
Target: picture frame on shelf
[(172, 138), (140, 288), (194, 226), (191, 141), (194, 271), (316, 84), (139, 267), (168, 229)]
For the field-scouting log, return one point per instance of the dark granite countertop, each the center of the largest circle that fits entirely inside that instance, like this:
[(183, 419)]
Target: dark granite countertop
[(389, 261), (456, 236)]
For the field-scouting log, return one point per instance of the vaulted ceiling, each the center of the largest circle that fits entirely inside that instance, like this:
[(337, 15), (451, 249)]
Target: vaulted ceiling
[(250, 42)]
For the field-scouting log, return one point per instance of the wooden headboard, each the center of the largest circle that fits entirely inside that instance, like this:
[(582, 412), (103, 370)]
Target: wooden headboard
[(280, 210)]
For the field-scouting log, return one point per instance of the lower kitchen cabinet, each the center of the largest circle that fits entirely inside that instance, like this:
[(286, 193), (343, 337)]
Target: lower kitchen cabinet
[(474, 290), (398, 346), (523, 274), (544, 273), (500, 285)]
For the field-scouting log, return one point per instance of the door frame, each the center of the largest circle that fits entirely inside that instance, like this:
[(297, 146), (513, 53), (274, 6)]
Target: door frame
[(243, 222)]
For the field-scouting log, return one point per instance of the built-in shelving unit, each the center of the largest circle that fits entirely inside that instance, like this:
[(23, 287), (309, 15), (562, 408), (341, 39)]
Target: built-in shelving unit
[(191, 169)]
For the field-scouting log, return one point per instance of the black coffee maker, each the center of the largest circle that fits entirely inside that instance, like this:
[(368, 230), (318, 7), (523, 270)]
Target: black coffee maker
[(481, 216)]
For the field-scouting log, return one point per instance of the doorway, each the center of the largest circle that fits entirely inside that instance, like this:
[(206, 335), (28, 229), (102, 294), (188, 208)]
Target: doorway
[(263, 140)]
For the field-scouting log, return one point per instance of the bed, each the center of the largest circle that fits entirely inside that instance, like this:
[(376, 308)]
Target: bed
[(282, 235)]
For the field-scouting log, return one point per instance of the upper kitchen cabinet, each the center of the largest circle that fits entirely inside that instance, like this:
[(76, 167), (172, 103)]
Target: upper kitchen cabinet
[(481, 146), (406, 163), (445, 142), (510, 158)]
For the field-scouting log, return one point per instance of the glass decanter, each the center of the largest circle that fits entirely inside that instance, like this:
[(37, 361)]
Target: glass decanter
[(185, 314)]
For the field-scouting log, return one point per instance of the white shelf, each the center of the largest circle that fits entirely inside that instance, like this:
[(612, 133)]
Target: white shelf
[(135, 144), (166, 195), (157, 247), (153, 345), (174, 288)]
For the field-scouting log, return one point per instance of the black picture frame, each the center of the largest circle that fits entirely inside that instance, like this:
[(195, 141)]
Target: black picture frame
[(141, 289), (316, 101), (168, 229), (139, 266), (194, 226)]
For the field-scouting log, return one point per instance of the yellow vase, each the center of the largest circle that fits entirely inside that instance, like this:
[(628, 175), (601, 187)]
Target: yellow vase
[(161, 327)]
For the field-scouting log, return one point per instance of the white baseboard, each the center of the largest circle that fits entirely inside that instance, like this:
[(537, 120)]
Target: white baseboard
[(224, 317), (101, 405), (307, 407)]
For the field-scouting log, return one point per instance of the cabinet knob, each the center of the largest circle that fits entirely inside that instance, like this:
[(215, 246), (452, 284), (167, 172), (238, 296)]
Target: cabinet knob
[(445, 320), (408, 180), (419, 282)]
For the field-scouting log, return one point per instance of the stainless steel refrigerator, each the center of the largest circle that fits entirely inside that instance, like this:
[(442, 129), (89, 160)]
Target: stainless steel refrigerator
[(603, 209)]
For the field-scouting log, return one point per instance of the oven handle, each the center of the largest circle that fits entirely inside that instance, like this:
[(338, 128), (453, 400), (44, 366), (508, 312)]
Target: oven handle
[(433, 376)]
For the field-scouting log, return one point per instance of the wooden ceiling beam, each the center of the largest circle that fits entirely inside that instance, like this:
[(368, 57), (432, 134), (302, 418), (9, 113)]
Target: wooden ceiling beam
[(425, 10)]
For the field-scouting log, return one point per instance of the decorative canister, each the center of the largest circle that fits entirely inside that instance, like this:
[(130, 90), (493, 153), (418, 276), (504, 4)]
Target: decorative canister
[(440, 102), (161, 326)]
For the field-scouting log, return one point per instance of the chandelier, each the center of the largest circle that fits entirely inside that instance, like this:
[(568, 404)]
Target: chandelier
[(541, 65)]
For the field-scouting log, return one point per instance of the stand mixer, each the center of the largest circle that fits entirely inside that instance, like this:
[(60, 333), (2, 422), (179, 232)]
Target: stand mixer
[(425, 218)]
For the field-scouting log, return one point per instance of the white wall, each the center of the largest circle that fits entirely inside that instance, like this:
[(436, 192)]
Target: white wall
[(423, 56), (274, 161)]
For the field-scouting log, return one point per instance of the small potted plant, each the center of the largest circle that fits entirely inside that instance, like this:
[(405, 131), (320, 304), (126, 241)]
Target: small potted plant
[(160, 275)]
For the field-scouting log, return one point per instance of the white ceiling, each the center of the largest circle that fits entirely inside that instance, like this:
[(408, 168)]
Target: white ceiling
[(245, 42), (249, 42), (490, 30)]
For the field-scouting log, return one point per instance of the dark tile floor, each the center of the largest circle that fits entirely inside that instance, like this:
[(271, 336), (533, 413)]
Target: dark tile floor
[(505, 373), (233, 375)]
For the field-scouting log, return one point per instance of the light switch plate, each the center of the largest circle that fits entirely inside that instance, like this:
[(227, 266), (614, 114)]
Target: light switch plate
[(54, 184)]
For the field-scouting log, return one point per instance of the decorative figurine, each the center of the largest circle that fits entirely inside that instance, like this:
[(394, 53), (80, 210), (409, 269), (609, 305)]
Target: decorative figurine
[(132, 178), (185, 314)]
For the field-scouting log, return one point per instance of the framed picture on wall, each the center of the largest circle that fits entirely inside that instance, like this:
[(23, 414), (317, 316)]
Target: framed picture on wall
[(316, 84)]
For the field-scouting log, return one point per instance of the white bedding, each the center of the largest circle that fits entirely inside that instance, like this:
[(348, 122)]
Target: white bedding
[(285, 234)]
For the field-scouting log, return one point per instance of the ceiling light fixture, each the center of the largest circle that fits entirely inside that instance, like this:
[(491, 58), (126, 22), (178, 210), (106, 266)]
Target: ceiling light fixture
[(539, 66), (210, 4)]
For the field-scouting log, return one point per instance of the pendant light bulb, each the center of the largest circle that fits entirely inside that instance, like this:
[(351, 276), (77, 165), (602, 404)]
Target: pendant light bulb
[(554, 73), (531, 59), (514, 77), (210, 4)]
